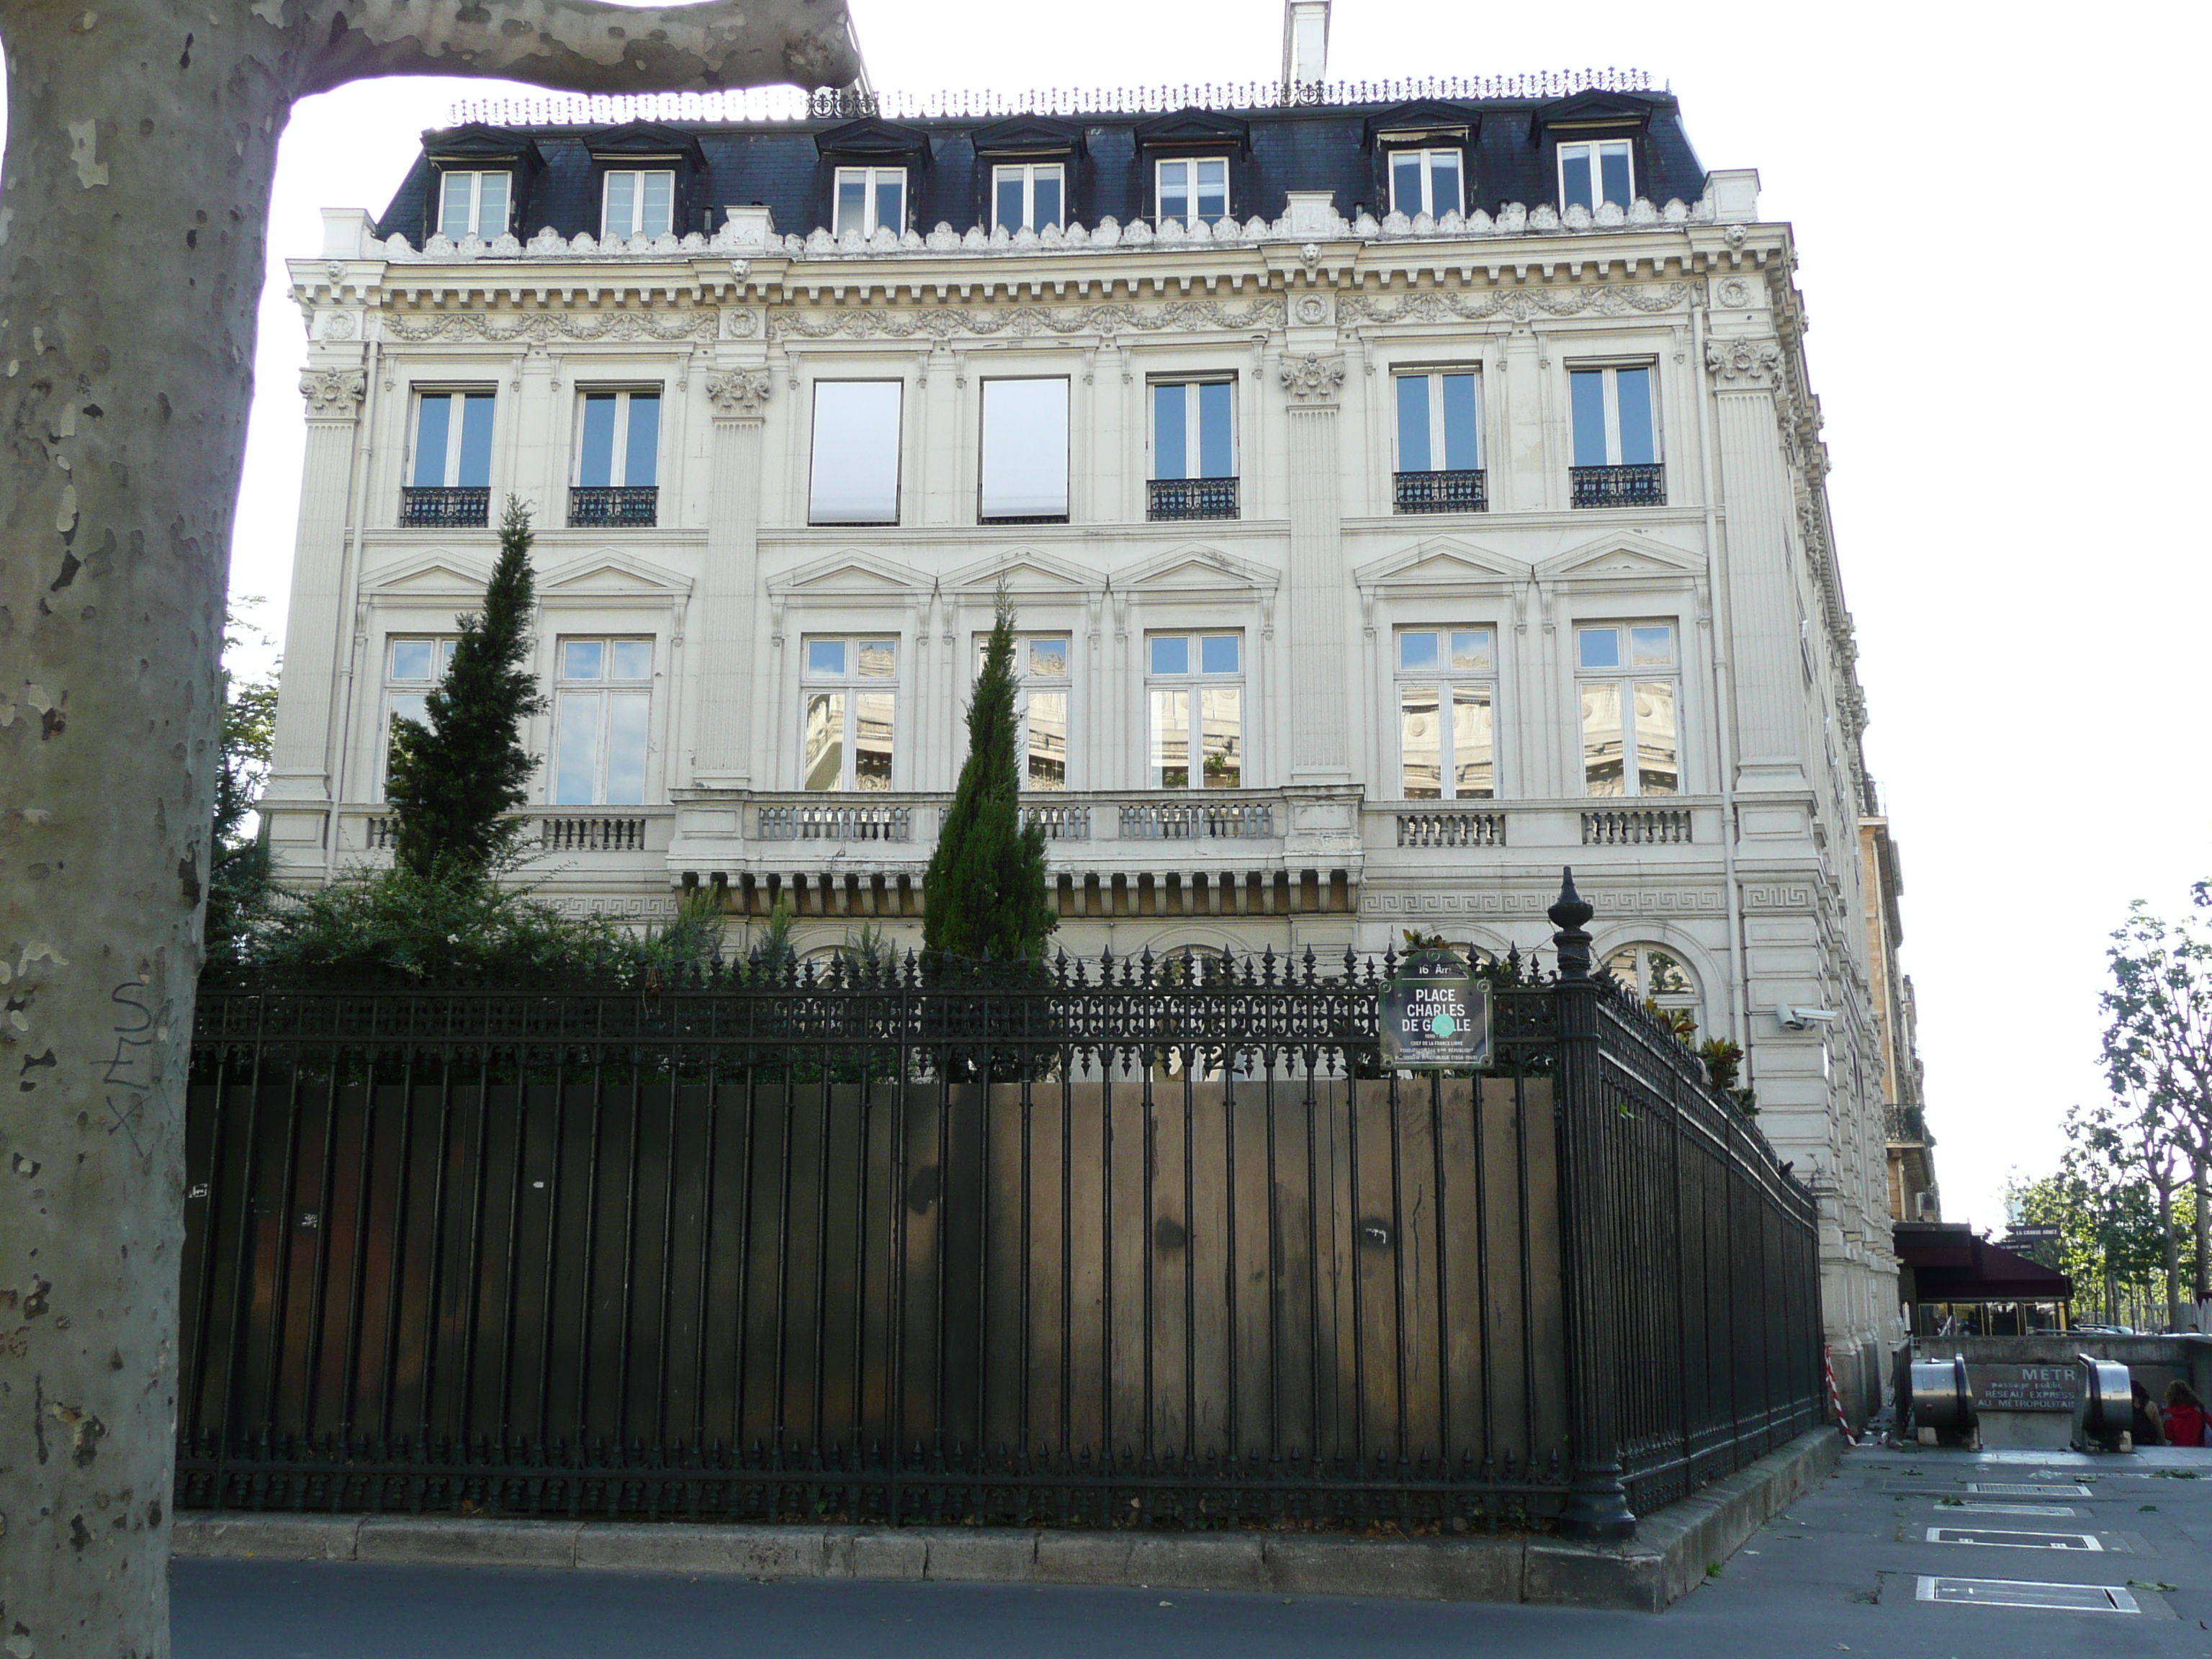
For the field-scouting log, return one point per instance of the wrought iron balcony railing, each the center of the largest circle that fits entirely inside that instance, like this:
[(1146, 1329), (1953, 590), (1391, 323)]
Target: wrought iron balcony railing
[(1620, 486), (436, 507), (1192, 498), (1465, 490), (635, 507)]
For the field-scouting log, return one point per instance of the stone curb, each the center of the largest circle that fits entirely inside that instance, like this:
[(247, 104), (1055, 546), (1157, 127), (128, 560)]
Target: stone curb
[(1666, 1560)]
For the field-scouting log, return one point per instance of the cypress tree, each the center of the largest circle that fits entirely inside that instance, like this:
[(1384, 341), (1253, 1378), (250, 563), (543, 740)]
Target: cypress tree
[(453, 781), (985, 892)]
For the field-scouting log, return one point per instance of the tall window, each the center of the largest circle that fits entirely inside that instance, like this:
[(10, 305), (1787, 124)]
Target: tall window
[(1657, 975), (1194, 189), (602, 710), (870, 200), (1194, 429), (1628, 677), (1592, 174), (1447, 738), (1195, 683), (472, 204), (639, 204), (620, 441), (1439, 425), (1025, 471), (1612, 417), (856, 452), (1425, 181), (1028, 195), (413, 665), (849, 715), (452, 441), (1041, 670)]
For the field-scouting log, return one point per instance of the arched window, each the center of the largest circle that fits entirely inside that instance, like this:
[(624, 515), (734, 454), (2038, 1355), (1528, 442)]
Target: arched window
[(1655, 975)]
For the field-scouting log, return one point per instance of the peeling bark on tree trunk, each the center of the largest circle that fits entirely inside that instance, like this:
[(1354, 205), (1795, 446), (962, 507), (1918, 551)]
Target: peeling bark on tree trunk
[(142, 138)]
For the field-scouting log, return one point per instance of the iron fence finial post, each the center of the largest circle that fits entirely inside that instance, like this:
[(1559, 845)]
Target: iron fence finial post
[(1598, 1499)]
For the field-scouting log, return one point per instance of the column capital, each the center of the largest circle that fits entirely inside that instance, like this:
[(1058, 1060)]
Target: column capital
[(740, 393), (1744, 365), (1312, 381), (333, 394)]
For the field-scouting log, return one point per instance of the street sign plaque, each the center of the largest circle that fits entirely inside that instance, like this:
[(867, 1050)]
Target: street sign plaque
[(1434, 1015)]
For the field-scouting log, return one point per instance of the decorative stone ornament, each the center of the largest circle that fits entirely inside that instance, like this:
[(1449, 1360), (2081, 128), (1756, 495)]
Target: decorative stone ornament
[(741, 391), (1753, 363), (1313, 378), (333, 394)]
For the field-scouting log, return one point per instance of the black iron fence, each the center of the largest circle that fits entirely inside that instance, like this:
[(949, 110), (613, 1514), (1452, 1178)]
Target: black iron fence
[(1125, 1243)]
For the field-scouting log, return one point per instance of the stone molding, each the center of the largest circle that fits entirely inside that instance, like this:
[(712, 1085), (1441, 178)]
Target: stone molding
[(950, 322), (542, 327), (1611, 905), (1519, 304), (333, 394)]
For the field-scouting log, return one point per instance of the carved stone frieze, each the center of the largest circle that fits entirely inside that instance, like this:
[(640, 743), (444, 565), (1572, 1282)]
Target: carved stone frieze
[(333, 394), (1312, 379), (950, 322), (545, 327), (1747, 365), (1519, 304), (1637, 900), (741, 391)]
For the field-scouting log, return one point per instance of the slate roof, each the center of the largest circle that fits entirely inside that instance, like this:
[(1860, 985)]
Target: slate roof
[(782, 164)]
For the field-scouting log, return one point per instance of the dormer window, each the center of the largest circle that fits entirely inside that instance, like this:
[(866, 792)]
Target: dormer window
[(1427, 182), (473, 204), (1194, 188), (1601, 171), (871, 199), (638, 202), (1028, 195)]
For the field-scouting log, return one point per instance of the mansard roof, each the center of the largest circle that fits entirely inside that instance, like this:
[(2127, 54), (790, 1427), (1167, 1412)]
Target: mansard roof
[(788, 165)]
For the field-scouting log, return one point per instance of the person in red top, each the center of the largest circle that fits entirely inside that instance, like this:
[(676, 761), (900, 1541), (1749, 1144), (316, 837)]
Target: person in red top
[(2185, 1415)]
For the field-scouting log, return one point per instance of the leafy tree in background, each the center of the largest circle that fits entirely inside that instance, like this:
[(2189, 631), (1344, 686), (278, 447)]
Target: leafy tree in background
[(2158, 1042), (238, 863), (453, 782), (985, 892)]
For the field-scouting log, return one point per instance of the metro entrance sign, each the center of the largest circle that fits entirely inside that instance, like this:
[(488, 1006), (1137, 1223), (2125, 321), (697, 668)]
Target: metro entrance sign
[(1434, 1015)]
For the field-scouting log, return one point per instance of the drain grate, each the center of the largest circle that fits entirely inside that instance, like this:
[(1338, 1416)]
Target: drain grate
[(2054, 1511), (2000, 1538), (2016, 1593), (2025, 1489)]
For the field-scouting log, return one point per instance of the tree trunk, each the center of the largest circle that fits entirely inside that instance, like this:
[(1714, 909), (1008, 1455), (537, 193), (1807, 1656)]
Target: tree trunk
[(141, 137), (140, 150), (2172, 1243), (2203, 1286)]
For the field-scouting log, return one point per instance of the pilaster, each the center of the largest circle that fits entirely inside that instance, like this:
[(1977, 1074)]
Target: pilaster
[(1755, 493), (300, 764), (726, 668), (1320, 748)]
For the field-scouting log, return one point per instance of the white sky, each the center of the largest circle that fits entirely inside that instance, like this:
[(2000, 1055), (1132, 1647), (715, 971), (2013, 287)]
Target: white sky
[(2017, 484)]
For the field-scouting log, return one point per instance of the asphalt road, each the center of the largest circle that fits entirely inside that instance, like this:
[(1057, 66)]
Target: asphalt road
[(1848, 1570)]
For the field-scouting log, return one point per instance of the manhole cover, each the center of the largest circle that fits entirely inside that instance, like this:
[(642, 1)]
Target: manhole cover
[(1999, 1538), (2024, 1489), (2016, 1593)]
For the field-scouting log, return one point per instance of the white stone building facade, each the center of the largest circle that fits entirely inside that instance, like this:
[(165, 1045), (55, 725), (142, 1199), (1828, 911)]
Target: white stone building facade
[(1355, 691)]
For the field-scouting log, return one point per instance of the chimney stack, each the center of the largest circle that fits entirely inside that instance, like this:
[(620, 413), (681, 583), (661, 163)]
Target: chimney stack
[(1305, 43)]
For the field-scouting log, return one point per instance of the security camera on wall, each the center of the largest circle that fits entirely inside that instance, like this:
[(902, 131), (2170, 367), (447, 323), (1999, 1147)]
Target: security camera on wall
[(1803, 1019)]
